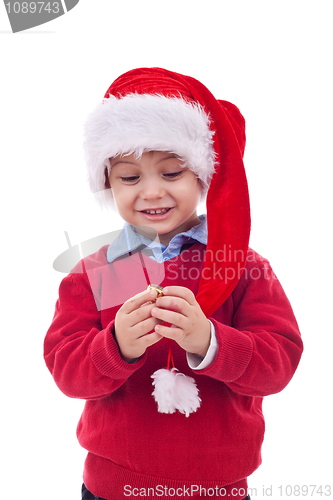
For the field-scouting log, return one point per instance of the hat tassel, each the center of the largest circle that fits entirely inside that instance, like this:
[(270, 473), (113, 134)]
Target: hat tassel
[(173, 390)]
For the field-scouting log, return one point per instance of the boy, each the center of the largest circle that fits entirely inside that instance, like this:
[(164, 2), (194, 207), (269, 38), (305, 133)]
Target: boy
[(158, 144)]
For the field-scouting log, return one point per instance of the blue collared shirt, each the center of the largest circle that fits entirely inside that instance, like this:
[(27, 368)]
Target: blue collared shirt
[(129, 240)]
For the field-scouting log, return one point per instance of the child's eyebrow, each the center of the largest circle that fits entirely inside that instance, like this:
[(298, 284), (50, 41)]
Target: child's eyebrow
[(169, 157), (123, 161)]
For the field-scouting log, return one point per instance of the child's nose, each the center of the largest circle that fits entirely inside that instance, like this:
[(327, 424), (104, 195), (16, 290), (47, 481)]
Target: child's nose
[(152, 190)]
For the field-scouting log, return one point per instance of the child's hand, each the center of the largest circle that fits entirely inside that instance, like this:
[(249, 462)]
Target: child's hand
[(133, 322), (189, 326)]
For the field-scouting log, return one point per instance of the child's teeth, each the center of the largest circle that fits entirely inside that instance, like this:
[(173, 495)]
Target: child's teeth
[(158, 211)]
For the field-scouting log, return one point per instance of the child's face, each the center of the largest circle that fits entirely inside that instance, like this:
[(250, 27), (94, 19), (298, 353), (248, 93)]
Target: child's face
[(156, 192)]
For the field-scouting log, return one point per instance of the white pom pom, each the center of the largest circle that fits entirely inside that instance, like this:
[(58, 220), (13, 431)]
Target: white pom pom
[(175, 391)]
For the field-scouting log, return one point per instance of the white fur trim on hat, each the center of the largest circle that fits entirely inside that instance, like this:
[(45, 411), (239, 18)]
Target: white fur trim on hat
[(137, 123)]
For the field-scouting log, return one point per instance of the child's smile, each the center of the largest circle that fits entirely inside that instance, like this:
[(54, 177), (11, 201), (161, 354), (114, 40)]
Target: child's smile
[(157, 214), (156, 191)]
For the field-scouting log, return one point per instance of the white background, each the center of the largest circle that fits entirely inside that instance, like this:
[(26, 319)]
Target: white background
[(271, 58)]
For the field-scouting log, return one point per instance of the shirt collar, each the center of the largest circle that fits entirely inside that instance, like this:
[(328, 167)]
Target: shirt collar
[(128, 241)]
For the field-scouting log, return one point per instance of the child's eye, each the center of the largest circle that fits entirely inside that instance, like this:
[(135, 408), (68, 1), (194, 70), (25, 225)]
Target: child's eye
[(130, 179), (173, 175)]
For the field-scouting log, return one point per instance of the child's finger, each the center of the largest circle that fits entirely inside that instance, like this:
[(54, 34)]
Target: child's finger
[(139, 315), (181, 292), (143, 327), (150, 339), (147, 303), (171, 317), (170, 332), (138, 300), (173, 303)]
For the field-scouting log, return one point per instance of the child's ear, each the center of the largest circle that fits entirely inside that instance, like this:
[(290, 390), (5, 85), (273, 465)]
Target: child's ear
[(107, 181)]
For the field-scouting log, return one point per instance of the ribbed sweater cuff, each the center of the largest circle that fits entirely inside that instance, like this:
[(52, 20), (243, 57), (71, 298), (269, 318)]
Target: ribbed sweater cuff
[(106, 357), (233, 356)]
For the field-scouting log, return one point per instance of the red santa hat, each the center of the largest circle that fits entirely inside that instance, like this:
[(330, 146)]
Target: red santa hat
[(150, 109)]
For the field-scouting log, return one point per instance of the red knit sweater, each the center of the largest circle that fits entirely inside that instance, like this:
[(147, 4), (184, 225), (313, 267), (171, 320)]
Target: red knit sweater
[(130, 444)]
